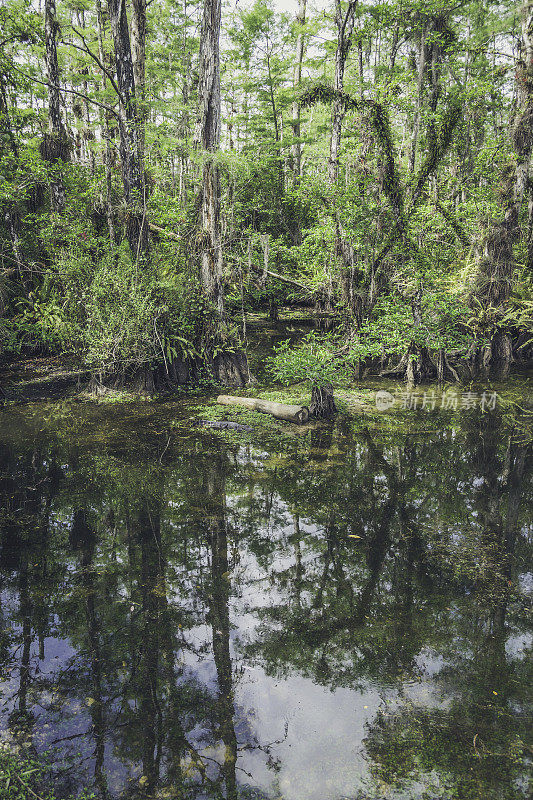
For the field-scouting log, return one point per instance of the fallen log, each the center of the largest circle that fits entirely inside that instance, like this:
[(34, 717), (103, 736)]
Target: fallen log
[(297, 414)]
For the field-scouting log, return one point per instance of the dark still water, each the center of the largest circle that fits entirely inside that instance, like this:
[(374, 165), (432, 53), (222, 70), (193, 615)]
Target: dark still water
[(340, 613)]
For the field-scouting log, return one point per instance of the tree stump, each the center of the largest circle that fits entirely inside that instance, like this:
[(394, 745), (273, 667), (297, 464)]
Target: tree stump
[(322, 402)]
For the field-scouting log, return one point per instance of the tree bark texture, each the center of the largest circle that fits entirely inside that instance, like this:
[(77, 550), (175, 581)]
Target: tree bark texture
[(55, 145), (105, 129), (138, 51), (344, 22), (5, 120), (297, 79), (209, 138), (416, 122), (130, 146)]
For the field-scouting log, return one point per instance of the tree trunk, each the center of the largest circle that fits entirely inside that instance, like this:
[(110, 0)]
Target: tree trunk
[(55, 145), (530, 230), (278, 125), (418, 112), (344, 23), (105, 130), (322, 402), (444, 369), (184, 126), (12, 219), (130, 152), (138, 51), (297, 79), (5, 120), (209, 138), (501, 354), (11, 215)]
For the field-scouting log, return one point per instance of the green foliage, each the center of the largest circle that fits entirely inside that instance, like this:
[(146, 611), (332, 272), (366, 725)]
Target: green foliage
[(393, 328), (122, 317), (520, 312), (438, 145), (135, 319), (113, 315), (330, 359), (316, 360), (22, 776), (368, 244), (379, 121)]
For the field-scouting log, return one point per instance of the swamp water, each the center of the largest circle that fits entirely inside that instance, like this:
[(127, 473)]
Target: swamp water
[(336, 613)]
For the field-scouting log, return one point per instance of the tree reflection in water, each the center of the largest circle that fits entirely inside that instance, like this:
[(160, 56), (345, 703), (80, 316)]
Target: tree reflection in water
[(161, 593)]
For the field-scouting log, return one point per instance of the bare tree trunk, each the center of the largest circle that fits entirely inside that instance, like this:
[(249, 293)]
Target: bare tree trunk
[(85, 114), (12, 220), (132, 174), (418, 112), (278, 124), (138, 51), (297, 79), (361, 68), (5, 120), (184, 126), (345, 23), (11, 215), (435, 58), (55, 146), (530, 230), (209, 138), (289, 413), (105, 129)]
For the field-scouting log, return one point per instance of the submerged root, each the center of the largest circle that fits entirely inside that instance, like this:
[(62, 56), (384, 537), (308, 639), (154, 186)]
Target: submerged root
[(445, 371), (415, 366), (322, 403), (493, 359)]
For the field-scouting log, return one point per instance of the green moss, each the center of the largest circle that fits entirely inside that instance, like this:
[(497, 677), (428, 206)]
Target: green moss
[(111, 396)]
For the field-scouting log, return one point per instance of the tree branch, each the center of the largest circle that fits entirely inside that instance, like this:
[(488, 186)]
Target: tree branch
[(110, 109), (86, 49)]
